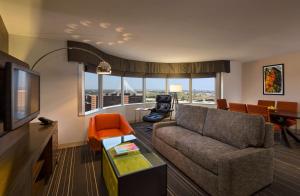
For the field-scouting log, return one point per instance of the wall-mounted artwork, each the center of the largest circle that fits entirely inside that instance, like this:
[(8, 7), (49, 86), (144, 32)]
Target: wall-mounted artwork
[(273, 76)]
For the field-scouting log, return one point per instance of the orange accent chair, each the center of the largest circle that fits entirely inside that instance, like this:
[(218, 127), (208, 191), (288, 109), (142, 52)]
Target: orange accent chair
[(266, 103), (104, 126), (238, 107), (285, 106), (263, 110), (222, 104)]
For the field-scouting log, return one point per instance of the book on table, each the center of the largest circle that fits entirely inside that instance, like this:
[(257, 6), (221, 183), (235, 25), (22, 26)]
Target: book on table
[(125, 148)]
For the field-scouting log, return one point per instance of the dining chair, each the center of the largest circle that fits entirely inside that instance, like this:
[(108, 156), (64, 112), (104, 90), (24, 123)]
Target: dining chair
[(287, 106), (238, 107), (264, 111), (222, 104), (267, 103)]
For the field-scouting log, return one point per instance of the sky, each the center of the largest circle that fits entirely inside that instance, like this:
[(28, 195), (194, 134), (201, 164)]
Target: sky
[(114, 82)]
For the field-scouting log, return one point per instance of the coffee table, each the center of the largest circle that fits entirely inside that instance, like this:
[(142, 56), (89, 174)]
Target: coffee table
[(138, 173)]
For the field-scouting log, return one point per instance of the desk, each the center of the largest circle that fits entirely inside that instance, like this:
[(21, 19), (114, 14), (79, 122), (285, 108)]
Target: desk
[(285, 129)]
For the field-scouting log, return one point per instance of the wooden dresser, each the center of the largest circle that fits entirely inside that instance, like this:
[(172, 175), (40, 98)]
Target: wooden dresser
[(28, 156)]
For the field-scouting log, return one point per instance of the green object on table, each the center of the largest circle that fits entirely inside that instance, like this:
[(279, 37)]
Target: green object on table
[(130, 163)]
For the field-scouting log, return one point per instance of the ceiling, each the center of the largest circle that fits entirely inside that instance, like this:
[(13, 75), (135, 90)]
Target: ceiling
[(164, 30)]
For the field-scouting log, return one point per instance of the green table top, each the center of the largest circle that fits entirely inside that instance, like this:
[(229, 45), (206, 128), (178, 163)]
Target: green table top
[(133, 162)]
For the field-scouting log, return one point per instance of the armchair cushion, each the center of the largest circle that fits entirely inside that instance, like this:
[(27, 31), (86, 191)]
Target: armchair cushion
[(107, 121), (107, 125)]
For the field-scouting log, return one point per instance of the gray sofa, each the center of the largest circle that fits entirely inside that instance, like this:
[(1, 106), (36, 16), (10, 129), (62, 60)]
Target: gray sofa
[(225, 153)]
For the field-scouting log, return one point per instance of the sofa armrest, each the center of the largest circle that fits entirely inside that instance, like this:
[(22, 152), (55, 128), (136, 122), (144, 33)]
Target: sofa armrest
[(125, 126), (163, 124), (246, 171), (269, 135)]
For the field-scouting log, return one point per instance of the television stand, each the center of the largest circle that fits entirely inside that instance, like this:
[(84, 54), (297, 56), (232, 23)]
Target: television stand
[(28, 157)]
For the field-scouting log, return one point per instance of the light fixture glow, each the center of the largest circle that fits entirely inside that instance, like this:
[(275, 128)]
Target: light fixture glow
[(119, 29), (75, 36), (104, 25), (98, 43), (103, 68), (86, 40), (175, 88)]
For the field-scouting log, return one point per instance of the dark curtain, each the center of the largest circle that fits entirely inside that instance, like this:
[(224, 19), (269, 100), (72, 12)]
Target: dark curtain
[(132, 68)]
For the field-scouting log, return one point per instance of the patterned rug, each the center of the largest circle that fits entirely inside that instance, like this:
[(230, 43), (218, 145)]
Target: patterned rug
[(78, 172)]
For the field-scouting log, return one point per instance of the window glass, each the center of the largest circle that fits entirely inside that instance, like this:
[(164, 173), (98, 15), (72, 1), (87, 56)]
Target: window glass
[(154, 86), (91, 93), (203, 90), (133, 90), (111, 90), (181, 84)]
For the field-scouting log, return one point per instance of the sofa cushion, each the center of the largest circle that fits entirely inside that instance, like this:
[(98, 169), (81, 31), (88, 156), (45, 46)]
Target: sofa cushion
[(203, 150), (171, 134), (191, 117), (235, 128)]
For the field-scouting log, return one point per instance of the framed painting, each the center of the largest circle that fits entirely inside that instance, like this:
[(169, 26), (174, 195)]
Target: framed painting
[(273, 77)]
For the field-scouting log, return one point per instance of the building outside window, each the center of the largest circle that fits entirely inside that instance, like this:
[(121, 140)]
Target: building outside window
[(184, 96), (133, 90), (203, 90), (91, 92), (155, 86), (111, 90)]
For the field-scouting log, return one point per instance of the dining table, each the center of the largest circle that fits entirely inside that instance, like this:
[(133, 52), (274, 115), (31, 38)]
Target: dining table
[(283, 116)]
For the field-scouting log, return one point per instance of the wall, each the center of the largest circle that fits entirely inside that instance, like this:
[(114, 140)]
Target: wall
[(232, 83), (3, 37), (252, 79)]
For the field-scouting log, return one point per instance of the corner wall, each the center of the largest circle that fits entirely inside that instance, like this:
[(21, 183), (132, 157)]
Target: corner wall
[(232, 83), (3, 37), (252, 85)]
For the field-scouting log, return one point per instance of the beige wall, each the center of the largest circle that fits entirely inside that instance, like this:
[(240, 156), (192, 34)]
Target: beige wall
[(252, 79), (232, 83)]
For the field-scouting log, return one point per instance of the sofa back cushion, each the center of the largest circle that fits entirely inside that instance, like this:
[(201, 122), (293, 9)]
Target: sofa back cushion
[(191, 117), (235, 128), (107, 121)]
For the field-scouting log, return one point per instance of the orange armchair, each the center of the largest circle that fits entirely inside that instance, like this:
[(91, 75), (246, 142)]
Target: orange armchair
[(104, 126)]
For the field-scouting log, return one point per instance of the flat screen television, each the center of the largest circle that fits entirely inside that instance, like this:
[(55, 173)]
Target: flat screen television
[(21, 97)]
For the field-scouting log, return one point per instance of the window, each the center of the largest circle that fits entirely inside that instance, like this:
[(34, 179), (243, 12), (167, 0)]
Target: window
[(133, 90), (91, 93), (154, 86), (203, 90), (111, 90), (184, 96)]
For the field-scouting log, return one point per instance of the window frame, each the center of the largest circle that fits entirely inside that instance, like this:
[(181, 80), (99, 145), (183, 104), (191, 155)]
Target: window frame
[(81, 91)]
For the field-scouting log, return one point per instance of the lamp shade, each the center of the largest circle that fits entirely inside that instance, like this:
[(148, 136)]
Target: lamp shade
[(103, 68), (175, 88)]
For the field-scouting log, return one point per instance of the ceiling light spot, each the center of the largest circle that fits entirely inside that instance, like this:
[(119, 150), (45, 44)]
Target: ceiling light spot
[(68, 30), (120, 42), (72, 26), (98, 43), (86, 40), (104, 25), (85, 23), (110, 43), (75, 36), (127, 38), (119, 29), (127, 34)]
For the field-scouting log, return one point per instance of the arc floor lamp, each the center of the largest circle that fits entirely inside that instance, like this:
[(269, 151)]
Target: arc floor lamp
[(103, 67)]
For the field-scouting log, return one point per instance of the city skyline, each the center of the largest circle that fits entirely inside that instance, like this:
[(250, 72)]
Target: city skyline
[(151, 83)]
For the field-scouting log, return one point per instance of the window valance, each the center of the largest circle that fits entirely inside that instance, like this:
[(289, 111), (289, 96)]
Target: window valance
[(126, 67)]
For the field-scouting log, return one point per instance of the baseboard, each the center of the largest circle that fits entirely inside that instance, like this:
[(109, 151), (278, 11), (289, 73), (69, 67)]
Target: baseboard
[(74, 144)]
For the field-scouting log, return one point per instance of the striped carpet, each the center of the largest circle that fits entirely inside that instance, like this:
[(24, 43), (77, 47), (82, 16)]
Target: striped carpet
[(78, 173)]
